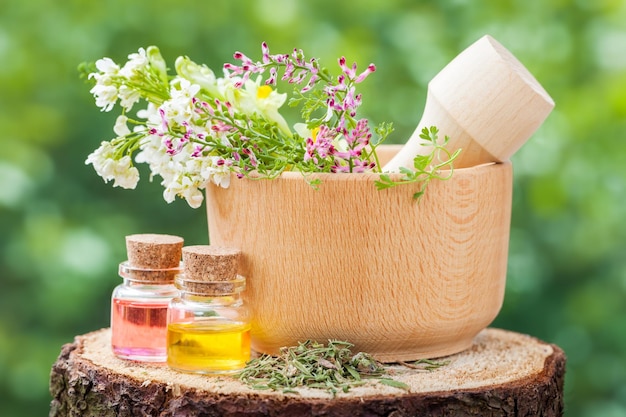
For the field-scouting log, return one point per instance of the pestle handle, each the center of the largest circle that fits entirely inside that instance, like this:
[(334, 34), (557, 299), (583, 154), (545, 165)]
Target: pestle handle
[(486, 101)]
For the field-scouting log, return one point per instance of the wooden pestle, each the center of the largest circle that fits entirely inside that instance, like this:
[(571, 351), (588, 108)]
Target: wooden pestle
[(486, 101)]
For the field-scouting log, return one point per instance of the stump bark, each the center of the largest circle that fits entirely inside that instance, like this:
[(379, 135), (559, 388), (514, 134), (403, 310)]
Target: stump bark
[(502, 374)]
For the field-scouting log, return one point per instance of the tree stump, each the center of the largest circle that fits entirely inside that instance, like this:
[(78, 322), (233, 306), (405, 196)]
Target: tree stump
[(502, 374)]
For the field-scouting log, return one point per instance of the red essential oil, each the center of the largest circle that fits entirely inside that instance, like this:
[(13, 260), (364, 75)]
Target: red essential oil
[(140, 329), (139, 305)]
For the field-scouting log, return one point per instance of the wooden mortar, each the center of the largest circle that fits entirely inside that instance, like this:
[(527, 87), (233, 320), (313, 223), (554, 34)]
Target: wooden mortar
[(399, 279), (486, 101)]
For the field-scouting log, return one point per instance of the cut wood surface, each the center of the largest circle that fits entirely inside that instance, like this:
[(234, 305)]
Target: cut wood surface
[(502, 374)]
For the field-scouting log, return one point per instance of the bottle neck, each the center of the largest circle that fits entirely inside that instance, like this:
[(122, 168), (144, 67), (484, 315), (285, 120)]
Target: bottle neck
[(142, 276), (227, 291), (141, 283), (215, 299)]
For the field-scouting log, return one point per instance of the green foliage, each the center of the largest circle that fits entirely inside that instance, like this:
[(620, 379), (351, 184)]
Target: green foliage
[(62, 228), (425, 167)]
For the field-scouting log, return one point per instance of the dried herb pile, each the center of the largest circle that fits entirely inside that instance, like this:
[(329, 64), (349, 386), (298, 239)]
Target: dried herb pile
[(333, 368)]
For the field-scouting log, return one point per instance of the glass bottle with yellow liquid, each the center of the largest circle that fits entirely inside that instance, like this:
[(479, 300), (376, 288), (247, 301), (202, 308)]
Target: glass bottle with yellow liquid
[(208, 324)]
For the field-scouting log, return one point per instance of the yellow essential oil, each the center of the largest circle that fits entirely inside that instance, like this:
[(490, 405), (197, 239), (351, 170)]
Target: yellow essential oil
[(208, 324), (208, 346)]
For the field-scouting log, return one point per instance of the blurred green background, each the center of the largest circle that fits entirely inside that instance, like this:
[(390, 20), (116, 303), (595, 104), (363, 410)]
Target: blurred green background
[(62, 229)]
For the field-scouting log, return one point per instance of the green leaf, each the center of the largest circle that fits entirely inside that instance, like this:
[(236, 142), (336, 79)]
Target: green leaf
[(421, 162), (353, 372), (418, 195), (407, 172), (393, 383)]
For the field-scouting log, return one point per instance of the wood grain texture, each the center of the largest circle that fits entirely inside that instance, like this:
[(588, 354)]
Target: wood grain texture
[(398, 278), (486, 101), (502, 374)]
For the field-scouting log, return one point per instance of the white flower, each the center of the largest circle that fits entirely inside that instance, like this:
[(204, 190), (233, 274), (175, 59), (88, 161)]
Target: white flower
[(183, 90), (191, 193), (136, 63), (183, 174), (105, 91), (194, 197), (125, 176), (120, 170), (255, 98), (106, 66), (267, 101), (128, 96), (180, 107), (120, 128), (217, 170), (177, 178), (151, 115), (183, 186), (302, 130), (106, 96), (221, 177), (153, 153)]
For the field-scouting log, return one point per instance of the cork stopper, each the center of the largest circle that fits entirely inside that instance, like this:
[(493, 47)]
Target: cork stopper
[(152, 257), (152, 251), (211, 270)]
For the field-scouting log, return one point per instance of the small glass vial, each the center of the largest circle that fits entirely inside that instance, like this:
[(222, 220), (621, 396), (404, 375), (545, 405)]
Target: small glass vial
[(139, 305), (208, 330)]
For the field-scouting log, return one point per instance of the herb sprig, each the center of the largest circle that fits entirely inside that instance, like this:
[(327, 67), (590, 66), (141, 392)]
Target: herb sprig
[(426, 167), (333, 368)]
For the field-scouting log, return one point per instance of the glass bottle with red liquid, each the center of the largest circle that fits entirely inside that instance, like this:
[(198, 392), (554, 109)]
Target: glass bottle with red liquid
[(139, 305)]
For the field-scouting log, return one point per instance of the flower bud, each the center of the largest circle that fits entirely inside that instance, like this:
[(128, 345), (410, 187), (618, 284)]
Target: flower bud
[(157, 62), (197, 74)]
